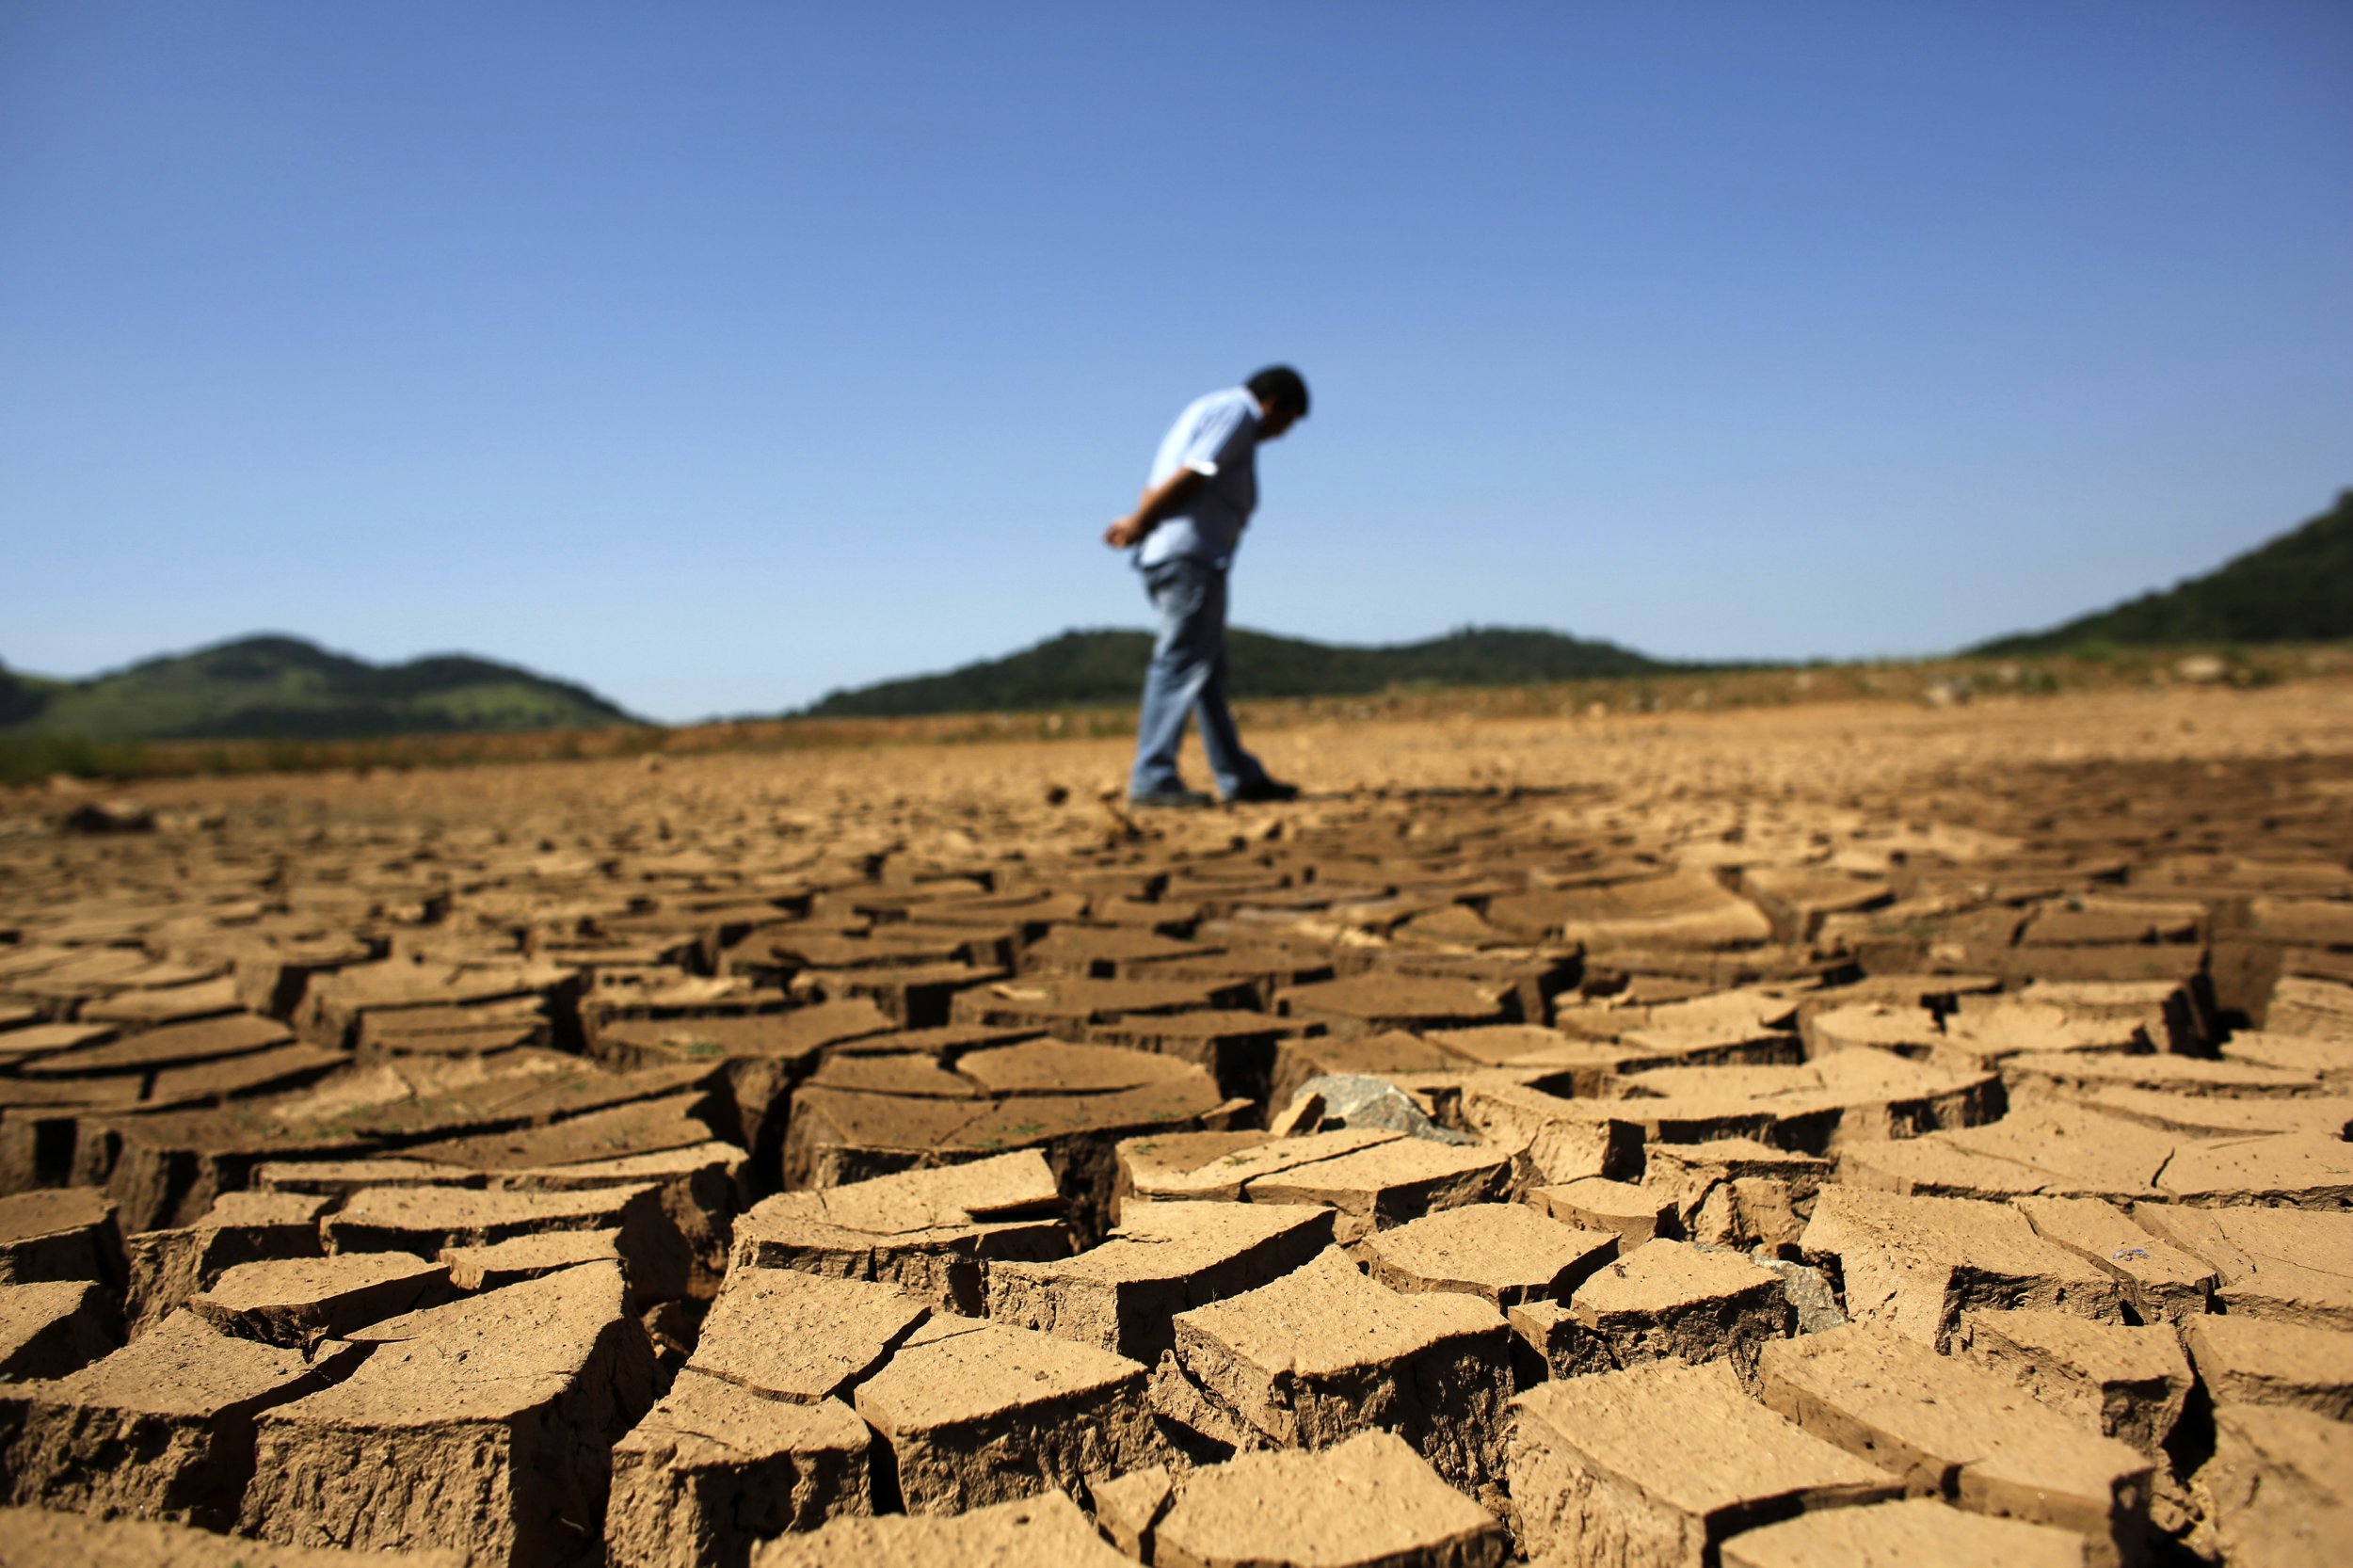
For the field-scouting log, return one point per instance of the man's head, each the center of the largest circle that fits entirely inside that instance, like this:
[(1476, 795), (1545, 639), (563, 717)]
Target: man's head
[(1282, 399)]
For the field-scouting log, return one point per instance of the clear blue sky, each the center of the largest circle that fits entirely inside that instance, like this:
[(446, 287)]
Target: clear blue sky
[(719, 355)]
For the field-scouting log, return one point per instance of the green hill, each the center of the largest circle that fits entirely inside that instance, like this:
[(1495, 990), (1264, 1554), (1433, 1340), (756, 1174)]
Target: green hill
[(1083, 669), (284, 688), (2298, 588)]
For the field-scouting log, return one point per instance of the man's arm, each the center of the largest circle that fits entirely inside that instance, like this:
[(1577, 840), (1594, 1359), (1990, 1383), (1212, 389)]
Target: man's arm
[(1158, 504)]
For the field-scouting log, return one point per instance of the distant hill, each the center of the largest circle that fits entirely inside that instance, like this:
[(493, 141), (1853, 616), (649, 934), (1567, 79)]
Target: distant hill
[(275, 687), (1082, 669), (2298, 588)]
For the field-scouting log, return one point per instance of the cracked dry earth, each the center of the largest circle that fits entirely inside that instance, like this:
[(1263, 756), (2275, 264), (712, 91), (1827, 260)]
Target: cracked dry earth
[(1838, 1135)]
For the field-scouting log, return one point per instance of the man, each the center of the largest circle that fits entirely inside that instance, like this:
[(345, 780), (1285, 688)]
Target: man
[(1204, 487)]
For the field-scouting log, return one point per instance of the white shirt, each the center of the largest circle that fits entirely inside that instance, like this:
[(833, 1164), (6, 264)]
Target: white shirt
[(1216, 436)]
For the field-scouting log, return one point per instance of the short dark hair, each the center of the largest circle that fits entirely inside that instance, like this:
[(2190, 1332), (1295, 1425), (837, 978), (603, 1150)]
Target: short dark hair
[(1280, 387)]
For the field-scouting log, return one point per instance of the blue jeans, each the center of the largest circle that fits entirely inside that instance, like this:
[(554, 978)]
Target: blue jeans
[(1188, 674)]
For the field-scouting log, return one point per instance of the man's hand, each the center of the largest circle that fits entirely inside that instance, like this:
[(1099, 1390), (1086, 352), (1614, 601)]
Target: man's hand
[(1157, 503)]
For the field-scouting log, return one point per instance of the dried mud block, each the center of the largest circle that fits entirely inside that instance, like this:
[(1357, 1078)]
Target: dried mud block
[(583, 1150), (1044, 1531), (272, 973), (2294, 1170), (1564, 1138), (1387, 1184), (703, 1185), (788, 1335), (1904, 1028), (912, 996), (1368, 1501), (1220, 1166), (2090, 921), (163, 1006), (54, 1328), (1104, 953), (1526, 980), (764, 1055), (161, 1429), (1749, 1024), (1165, 1259), (37, 1538), (479, 1030), (1073, 1102), (2280, 1485), (2302, 921), (50, 1132), (2161, 1282), (1914, 1265), (1736, 1192), (1560, 1139), (2173, 1015), (171, 1166), (522, 1258), (1071, 1003), (2331, 1060), (2253, 1361), (1992, 1029), (2047, 1147), (2196, 1115), (2281, 1264), (339, 1178), (485, 1426), (1662, 1301), (1684, 909), (1657, 1466), (244, 1077), (2320, 1009), (1821, 1106), (2078, 1073), (1062, 1067), (1236, 1049), (26, 1036), (918, 1075), (1502, 1252), (172, 1045), (1387, 1055), (334, 1004), (2128, 1384), (1637, 1214), (426, 1220), (1797, 899), (1371, 1003), (298, 1302), (1547, 1058), (714, 1470), (934, 1233), (1323, 1353), (974, 1412), (65, 1233), (169, 1266), (1955, 1429), (1919, 1532)]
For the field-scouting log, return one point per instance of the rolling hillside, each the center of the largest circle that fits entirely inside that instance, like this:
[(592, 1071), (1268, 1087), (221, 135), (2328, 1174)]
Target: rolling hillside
[(2298, 588), (276, 687), (1081, 669)]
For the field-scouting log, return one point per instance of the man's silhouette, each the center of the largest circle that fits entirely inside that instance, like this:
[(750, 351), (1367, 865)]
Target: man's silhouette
[(1204, 487)]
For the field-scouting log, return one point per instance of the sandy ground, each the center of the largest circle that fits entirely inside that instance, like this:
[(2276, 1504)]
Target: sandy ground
[(1819, 753), (1576, 1139)]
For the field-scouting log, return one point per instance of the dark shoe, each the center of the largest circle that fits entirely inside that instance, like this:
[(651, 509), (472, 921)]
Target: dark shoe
[(1264, 789), (1191, 800)]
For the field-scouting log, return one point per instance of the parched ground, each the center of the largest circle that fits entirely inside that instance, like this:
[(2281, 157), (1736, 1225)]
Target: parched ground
[(1841, 1133)]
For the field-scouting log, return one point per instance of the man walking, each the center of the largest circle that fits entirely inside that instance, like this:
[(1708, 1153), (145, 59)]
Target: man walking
[(1204, 487)]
